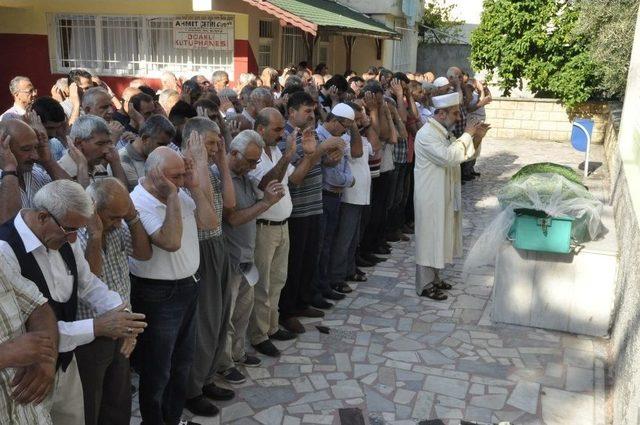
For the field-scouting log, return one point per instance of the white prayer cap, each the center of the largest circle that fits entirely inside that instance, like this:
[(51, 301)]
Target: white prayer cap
[(441, 82), (343, 110), (446, 100)]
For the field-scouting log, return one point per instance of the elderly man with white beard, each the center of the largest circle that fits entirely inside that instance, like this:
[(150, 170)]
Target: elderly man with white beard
[(437, 198)]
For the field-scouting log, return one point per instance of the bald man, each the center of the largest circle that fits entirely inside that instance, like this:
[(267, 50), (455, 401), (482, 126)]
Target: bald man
[(272, 236), (165, 287), (26, 164), (456, 78), (114, 234)]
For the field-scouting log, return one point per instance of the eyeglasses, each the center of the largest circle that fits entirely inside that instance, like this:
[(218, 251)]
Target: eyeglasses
[(30, 91), (66, 230), (250, 161)]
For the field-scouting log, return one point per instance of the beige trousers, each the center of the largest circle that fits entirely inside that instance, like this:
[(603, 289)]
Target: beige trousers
[(240, 311), (68, 401), (271, 259)]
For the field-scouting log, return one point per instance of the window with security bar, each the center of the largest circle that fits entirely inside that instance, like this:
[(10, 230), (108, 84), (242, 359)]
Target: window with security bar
[(133, 45), (265, 52), (293, 51)]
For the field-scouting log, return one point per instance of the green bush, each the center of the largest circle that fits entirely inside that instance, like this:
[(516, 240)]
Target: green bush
[(572, 50)]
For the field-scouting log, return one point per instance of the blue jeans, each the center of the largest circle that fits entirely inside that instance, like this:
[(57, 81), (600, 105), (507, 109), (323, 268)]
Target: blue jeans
[(328, 230), (343, 253), (166, 348)]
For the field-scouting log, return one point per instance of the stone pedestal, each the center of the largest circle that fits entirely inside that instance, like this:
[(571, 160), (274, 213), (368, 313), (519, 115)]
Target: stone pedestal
[(566, 292)]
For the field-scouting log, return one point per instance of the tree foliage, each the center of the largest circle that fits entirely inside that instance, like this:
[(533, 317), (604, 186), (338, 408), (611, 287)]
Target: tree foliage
[(438, 23), (535, 40), (609, 27)]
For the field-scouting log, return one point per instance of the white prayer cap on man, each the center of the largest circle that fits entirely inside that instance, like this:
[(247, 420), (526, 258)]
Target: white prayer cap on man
[(446, 100), (343, 110), (441, 82)]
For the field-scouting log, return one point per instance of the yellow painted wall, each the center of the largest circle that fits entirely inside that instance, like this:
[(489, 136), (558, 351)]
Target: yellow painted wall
[(33, 20)]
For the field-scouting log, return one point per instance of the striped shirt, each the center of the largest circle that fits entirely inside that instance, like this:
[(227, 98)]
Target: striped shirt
[(33, 181), (307, 197), (19, 297), (115, 265)]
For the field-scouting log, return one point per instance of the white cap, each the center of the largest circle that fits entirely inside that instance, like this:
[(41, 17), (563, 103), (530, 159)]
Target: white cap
[(446, 100), (441, 82), (343, 110)]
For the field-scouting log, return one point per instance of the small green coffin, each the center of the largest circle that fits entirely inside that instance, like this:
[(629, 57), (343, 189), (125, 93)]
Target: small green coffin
[(536, 231)]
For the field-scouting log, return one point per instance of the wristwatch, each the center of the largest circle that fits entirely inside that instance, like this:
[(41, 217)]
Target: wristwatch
[(134, 220), (8, 173)]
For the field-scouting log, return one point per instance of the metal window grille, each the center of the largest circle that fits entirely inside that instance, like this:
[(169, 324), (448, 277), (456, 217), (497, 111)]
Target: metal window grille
[(293, 51), (266, 29), (323, 53), (129, 45), (264, 55)]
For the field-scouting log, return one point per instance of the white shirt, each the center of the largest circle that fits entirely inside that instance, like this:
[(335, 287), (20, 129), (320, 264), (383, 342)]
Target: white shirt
[(60, 283), (387, 158), (14, 110), (425, 113), (69, 165), (281, 210), (359, 193), (249, 118), (165, 265)]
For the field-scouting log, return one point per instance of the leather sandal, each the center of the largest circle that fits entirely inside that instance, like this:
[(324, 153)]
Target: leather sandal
[(434, 293), (442, 285)]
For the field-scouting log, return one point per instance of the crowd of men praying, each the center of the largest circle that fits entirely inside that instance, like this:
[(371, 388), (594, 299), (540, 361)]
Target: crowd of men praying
[(179, 231)]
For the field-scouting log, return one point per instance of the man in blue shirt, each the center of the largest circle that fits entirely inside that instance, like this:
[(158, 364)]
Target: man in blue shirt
[(335, 178)]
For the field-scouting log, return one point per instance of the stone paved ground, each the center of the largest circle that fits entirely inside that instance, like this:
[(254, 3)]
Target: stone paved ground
[(401, 358)]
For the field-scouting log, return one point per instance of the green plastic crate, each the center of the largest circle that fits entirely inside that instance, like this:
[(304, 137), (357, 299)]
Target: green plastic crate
[(536, 231)]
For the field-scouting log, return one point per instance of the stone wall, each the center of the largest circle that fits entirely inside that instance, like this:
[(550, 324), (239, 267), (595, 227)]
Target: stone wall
[(624, 364), (437, 58), (541, 119)]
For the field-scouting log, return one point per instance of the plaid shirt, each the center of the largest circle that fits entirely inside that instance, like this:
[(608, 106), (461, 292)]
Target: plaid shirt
[(216, 182), (115, 265), (458, 129), (33, 181), (400, 152), (19, 297)]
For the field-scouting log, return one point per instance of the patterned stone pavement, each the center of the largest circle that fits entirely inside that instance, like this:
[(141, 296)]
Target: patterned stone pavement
[(401, 358)]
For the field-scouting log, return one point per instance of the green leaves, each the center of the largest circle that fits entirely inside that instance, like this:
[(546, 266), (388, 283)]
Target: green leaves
[(557, 46), (438, 23)]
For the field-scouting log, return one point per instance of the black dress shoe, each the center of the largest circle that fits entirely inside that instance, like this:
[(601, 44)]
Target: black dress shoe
[(217, 393), (381, 250), (283, 335), (333, 295), (201, 406), (372, 258), (343, 288), (322, 305), (361, 262), (393, 237), (292, 325), (267, 348)]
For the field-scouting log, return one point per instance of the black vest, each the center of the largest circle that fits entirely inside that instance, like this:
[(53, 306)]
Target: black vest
[(30, 269)]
